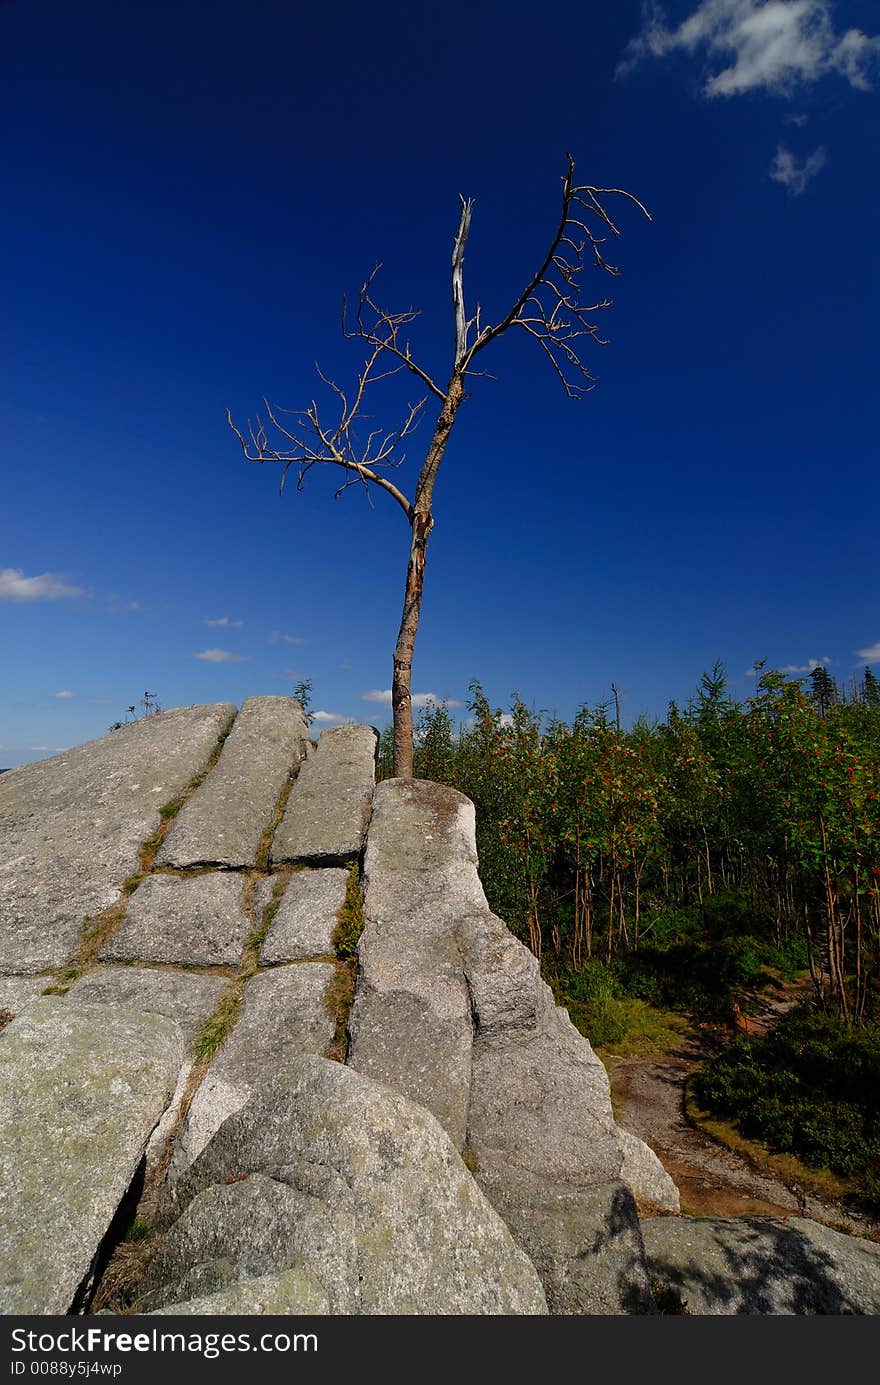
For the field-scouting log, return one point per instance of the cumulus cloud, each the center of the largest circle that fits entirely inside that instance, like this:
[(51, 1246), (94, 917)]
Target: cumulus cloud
[(64, 694), (224, 623), (794, 176), (870, 654), (220, 656), (14, 586), (809, 667), (276, 637), (327, 717), (430, 699), (759, 45)]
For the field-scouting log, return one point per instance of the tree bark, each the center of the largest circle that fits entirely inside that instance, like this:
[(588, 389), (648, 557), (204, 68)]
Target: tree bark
[(421, 525), (401, 686)]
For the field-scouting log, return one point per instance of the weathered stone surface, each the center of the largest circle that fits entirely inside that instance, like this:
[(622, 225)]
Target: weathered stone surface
[(71, 827), (81, 1087), (224, 820), (583, 1240), (18, 992), (327, 1172), (283, 1016), (645, 1174), (306, 917), (410, 1024), (742, 1265), (184, 996), (451, 1010), (294, 1292), (199, 921), (329, 808), (547, 1151)]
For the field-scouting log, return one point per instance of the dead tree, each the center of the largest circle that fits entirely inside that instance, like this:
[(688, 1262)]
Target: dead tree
[(550, 310)]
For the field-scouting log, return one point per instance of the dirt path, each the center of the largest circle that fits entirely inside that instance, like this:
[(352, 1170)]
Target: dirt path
[(713, 1181)]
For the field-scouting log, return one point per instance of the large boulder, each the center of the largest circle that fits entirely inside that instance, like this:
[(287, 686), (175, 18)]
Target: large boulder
[(81, 1089), (740, 1265), (224, 821), (328, 1174), (643, 1171), (71, 827), (284, 1015), (327, 813), (450, 1009)]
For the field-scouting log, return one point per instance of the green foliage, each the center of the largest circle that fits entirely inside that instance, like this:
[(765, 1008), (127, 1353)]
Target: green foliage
[(810, 1087), (302, 691), (729, 839), (350, 917)]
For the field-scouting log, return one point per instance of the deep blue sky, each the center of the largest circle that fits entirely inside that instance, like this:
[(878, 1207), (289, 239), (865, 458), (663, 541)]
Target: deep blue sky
[(188, 188)]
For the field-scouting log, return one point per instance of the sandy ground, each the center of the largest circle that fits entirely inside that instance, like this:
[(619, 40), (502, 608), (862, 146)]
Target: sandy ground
[(713, 1181)]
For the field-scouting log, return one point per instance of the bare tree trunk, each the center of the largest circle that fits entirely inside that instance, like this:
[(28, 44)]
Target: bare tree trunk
[(401, 687), (422, 523)]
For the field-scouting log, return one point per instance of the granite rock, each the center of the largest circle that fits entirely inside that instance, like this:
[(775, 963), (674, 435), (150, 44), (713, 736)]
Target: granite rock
[(81, 1089), (71, 827), (327, 1172), (728, 1266), (283, 1015), (329, 807), (307, 916), (197, 921), (223, 823)]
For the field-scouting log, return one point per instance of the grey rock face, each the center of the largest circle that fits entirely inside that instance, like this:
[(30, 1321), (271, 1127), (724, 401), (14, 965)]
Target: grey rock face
[(71, 827), (81, 1088), (741, 1265), (410, 1024), (224, 820), (328, 1173), (183, 996), (451, 1010), (283, 1016), (645, 1174), (199, 921), (294, 1293), (306, 917), (328, 810), (18, 992)]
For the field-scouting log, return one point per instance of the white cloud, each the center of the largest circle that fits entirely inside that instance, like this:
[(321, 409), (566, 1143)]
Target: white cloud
[(223, 622), (327, 717), (64, 694), (14, 586), (769, 45), (871, 653), (220, 656), (276, 637), (383, 695), (808, 667), (794, 176)]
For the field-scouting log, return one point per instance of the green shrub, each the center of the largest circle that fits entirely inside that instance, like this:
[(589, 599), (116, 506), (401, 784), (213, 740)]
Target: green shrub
[(809, 1087)]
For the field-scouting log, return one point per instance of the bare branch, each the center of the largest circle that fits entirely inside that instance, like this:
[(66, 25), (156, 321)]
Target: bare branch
[(550, 307), (381, 330), (461, 322), (328, 448)]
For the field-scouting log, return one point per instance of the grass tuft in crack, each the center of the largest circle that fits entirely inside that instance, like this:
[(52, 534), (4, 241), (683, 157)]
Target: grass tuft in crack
[(339, 996)]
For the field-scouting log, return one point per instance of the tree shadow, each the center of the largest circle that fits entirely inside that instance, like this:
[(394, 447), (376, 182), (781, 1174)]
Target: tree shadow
[(757, 1266)]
